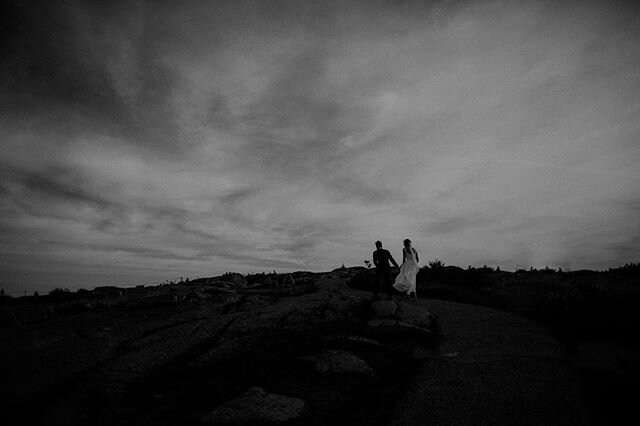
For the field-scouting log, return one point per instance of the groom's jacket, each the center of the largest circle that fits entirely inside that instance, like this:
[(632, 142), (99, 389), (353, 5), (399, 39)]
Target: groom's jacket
[(381, 258)]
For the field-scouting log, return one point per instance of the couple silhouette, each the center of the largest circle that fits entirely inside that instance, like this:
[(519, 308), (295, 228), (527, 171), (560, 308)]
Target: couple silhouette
[(405, 282)]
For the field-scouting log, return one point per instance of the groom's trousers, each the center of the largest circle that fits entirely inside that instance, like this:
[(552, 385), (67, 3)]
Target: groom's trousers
[(383, 282)]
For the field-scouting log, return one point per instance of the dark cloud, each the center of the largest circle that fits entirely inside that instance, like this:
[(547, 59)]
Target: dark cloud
[(298, 118), (295, 103), (75, 65), (60, 184), (52, 192), (43, 58)]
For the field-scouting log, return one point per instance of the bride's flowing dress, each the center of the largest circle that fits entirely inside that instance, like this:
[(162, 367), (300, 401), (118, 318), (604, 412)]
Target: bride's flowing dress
[(406, 279)]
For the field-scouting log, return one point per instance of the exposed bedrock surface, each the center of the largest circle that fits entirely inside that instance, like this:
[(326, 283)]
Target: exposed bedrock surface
[(491, 368), (315, 352)]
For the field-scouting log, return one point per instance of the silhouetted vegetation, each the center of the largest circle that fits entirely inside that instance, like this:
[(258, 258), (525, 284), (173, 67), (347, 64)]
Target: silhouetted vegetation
[(629, 269), (436, 264), (60, 294), (262, 278), (4, 297)]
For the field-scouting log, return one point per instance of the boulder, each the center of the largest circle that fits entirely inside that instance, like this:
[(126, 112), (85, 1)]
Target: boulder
[(257, 407), (339, 362), (413, 314)]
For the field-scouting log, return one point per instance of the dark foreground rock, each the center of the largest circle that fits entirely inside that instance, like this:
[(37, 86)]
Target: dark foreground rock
[(339, 362), (186, 354), (313, 352), (491, 368), (257, 407)]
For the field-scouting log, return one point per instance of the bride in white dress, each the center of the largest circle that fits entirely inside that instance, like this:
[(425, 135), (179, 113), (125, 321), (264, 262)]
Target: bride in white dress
[(406, 279)]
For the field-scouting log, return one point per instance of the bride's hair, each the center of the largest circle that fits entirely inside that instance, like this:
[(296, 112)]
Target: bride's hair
[(407, 242)]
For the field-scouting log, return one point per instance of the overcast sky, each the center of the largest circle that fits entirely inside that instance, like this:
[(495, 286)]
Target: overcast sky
[(143, 141)]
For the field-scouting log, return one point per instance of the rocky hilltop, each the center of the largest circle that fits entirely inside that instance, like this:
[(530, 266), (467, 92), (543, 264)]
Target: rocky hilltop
[(303, 349)]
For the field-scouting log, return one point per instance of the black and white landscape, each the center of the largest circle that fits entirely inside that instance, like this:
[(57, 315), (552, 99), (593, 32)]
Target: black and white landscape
[(148, 148)]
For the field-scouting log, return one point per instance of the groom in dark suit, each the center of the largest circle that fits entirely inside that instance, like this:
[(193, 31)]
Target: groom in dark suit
[(381, 258)]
